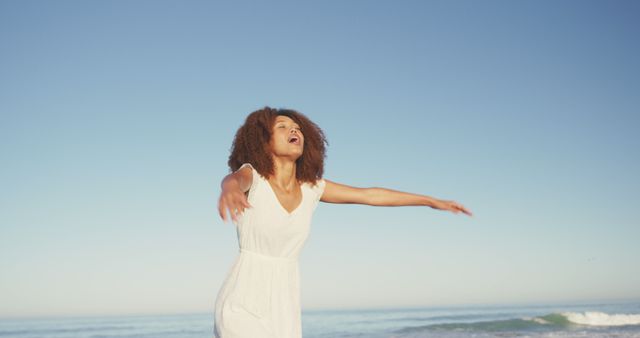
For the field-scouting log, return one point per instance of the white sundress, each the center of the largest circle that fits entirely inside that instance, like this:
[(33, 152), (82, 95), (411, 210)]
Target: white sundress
[(260, 297)]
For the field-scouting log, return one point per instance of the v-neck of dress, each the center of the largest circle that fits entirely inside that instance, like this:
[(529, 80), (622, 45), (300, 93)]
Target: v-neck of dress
[(278, 201)]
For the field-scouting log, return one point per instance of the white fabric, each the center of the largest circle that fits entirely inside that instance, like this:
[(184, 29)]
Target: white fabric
[(260, 297)]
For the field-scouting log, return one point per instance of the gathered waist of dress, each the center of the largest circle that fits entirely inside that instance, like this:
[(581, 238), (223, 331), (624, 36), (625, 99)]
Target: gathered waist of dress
[(268, 257)]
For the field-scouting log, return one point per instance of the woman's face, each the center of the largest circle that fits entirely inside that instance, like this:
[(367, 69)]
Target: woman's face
[(286, 138)]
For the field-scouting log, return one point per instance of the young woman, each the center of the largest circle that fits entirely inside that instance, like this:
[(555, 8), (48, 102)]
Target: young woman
[(275, 184)]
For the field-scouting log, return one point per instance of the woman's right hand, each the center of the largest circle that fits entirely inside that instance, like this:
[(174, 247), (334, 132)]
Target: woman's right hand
[(233, 199), (452, 206)]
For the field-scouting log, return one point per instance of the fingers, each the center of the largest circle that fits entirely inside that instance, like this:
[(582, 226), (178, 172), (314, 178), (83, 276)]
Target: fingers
[(238, 207), (460, 207), (463, 209), (234, 215), (456, 207), (467, 212), (235, 204), (222, 210), (223, 207)]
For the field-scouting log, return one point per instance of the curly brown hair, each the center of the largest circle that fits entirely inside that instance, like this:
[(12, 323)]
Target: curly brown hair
[(251, 144)]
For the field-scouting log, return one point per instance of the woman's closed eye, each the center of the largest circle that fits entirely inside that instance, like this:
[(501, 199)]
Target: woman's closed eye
[(296, 128)]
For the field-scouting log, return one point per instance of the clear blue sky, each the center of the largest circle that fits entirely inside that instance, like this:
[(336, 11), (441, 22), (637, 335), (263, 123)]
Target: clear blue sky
[(117, 118)]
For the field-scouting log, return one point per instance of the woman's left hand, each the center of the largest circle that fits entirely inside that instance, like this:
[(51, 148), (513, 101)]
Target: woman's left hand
[(452, 206)]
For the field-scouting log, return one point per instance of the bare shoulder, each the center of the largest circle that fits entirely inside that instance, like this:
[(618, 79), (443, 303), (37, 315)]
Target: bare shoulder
[(335, 192)]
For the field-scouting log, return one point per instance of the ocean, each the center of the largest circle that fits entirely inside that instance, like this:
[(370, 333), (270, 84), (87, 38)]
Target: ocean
[(612, 319)]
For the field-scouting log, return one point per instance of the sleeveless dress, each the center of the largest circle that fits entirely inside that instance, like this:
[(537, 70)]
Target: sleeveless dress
[(260, 297)]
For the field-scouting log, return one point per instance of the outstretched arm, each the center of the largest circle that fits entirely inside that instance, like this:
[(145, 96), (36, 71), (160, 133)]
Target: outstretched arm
[(341, 193)]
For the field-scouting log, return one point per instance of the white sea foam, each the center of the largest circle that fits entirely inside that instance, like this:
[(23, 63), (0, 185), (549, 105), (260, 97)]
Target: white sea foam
[(602, 319)]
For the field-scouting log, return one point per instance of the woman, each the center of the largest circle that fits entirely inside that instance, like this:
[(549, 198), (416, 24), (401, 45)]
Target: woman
[(277, 162)]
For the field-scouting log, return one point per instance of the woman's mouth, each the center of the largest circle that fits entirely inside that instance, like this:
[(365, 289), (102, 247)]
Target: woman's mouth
[(294, 140)]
